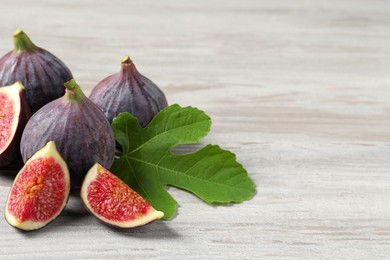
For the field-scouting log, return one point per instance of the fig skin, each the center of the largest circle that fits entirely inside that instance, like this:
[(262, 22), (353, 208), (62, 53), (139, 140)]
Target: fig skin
[(42, 73), (12, 152), (129, 91), (80, 130)]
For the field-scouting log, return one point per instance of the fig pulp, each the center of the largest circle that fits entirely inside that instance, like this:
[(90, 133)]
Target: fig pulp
[(40, 190), (42, 74), (79, 128), (113, 202), (129, 91), (14, 114)]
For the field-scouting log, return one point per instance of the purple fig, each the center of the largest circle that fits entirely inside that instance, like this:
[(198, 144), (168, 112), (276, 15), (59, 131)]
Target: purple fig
[(80, 130), (41, 73), (129, 91)]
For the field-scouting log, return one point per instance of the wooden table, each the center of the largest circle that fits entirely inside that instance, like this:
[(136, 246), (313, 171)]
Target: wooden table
[(299, 90)]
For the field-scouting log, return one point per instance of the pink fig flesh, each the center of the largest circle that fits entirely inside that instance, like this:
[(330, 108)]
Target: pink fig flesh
[(14, 114), (40, 190), (114, 202)]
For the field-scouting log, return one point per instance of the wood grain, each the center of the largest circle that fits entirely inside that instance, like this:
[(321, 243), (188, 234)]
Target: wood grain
[(299, 90)]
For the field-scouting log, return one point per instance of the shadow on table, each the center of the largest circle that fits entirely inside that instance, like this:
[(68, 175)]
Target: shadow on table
[(10, 171), (76, 218), (155, 230)]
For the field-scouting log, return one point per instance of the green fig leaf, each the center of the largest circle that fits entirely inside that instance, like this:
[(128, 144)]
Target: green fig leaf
[(147, 163)]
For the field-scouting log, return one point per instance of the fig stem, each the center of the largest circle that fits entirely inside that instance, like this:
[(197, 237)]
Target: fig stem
[(22, 42), (128, 69), (73, 91), (126, 60)]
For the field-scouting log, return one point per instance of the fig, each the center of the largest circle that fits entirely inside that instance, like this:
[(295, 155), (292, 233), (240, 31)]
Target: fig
[(129, 91), (42, 74), (14, 114), (79, 128), (40, 190), (110, 200)]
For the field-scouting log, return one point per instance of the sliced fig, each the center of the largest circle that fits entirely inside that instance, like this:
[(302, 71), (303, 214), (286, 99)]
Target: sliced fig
[(79, 128), (129, 91), (113, 202), (42, 73), (40, 190), (14, 114)]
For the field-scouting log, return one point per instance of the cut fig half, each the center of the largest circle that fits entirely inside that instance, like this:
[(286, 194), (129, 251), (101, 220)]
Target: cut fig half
[(114, 202), (14, 114), (40, 190)]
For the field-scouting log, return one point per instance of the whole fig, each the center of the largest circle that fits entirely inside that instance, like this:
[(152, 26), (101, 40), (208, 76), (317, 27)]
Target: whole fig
[(41, 73), (129, 91), (80, 130)]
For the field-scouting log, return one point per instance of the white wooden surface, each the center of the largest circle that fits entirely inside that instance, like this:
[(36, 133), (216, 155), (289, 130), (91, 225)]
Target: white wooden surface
[(299, 90)]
